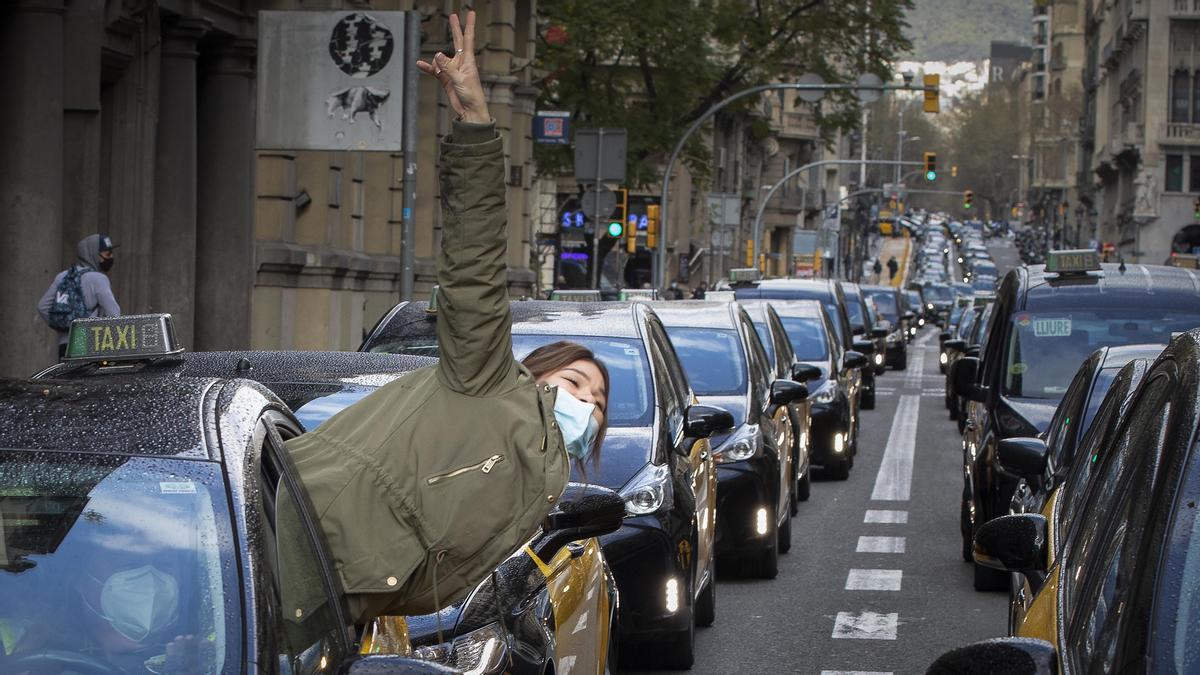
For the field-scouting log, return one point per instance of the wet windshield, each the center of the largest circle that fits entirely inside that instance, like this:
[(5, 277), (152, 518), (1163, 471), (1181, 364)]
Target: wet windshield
[(712, 359), (630, 396), (807, 336), (106, 561), (1046, 348)]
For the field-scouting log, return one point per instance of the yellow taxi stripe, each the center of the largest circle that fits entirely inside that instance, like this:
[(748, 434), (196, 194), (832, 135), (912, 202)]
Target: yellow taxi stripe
[(546, 569)]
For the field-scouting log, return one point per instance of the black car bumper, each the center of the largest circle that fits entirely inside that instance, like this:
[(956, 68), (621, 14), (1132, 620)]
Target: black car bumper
[(743, 488), (895, 352), (828, 420), (643, 557)]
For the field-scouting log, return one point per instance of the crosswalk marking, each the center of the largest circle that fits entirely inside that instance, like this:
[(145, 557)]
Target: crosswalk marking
[(894, 479), (874, 580), (865, 626), (880, 545), (885, 516)]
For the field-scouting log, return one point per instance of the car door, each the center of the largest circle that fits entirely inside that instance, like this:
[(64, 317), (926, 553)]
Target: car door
[(775, 421), (577, 587), (785, 357)]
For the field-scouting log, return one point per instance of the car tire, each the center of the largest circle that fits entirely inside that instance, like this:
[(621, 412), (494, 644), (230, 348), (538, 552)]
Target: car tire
[(680, 653), (706, 604), (839, 470), (767, 564), (988, 579), (902, 360), (868, 399), (804, 487), (964, 526), (783, 540)]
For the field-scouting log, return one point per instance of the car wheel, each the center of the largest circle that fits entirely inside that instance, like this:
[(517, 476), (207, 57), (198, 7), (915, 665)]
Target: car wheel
[(868, 400), (953, 412), (784, 539), (988, 579), (804, 487), (768, 563), (706, 604), (902, 360), (680, 653)]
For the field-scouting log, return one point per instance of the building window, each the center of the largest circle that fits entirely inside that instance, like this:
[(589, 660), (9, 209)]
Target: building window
[(1194, 174), (1180, 96), (1174, 181)]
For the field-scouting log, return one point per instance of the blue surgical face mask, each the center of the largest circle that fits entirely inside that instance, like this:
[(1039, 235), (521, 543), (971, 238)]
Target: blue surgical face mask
[(576, 422)]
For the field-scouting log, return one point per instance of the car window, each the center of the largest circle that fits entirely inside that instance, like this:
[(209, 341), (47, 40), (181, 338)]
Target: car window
[(854, 311), (808, 337), (760, 366), (1063, 425), (886, 302), (764, 336), (673, 399), (631, 399), (1104, 380), (306, 623), (126, 558), (784, 354), (713, 359)]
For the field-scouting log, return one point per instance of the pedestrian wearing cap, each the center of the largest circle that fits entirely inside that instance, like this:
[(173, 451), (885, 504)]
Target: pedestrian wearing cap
[(87, 280)]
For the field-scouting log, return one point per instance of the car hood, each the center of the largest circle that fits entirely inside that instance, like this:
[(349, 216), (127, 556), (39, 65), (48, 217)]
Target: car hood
[(625, 451), (736, 405)]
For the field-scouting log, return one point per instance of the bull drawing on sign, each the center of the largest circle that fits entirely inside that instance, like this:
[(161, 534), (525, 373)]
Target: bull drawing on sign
[(354, 100)]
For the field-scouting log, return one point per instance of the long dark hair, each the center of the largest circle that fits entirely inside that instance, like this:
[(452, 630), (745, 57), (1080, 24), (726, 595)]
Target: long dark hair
[(555, 356)]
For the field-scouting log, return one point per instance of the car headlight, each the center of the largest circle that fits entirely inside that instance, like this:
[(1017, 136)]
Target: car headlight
[(929, 305), (879, 358), (648, 491), (943, 358), (742, 444), (480, 652), (827, 393)]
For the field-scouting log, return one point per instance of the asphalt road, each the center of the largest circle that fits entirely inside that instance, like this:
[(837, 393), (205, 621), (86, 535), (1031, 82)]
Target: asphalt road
[(874, 582)]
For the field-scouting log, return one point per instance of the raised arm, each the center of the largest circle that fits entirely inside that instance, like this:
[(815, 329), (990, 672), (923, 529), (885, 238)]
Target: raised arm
[(474, 324)]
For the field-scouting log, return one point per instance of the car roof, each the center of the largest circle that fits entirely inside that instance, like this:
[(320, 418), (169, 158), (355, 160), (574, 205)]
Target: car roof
[(1118, 356), (802, 309), (757, 309), (1139, 284), (360, 368), (823, 286), (118, 414), (698, 313), (592, 319)]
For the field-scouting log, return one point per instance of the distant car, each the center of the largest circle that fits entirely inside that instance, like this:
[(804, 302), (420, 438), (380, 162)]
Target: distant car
[(890, 303), (864, 329)]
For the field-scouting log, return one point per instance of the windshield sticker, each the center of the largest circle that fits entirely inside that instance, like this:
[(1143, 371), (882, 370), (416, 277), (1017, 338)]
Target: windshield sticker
[(630, 351), (180, 487), (1051, 327), (1017, 369), (1023, 320)]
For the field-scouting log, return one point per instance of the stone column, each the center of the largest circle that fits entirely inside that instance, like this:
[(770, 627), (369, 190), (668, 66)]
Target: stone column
[(173, 257), (31, 177), (225, 199)]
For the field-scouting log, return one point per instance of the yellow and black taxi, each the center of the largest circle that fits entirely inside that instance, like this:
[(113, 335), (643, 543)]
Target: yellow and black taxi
[(156, 524), (727, 366), (833, 415), (656, 454), (1123, 596), (1046, 320), (523, 618)]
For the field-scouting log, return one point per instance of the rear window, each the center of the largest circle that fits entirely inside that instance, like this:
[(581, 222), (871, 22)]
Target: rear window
[(713, 359), (807, 336), (854, 309), (937, 293), (886, 302)]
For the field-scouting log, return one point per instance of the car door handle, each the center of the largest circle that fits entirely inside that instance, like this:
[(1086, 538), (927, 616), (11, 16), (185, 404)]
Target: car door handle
[(703, 454)]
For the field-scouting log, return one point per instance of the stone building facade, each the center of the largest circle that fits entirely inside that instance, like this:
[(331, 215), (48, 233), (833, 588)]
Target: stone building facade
[(137, 117)]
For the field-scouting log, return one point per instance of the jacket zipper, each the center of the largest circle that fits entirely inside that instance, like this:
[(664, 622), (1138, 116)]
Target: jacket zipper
[(485, 466)]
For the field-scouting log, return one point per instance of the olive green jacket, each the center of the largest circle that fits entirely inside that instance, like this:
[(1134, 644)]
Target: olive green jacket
[(426, 485)]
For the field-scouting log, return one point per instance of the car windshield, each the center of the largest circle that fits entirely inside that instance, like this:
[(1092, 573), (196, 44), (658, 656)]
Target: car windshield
[(1045, 348), (886, 302), (413, 345), (107, 560), (807, 336), (630, 396), (938, 293), (713, 359)]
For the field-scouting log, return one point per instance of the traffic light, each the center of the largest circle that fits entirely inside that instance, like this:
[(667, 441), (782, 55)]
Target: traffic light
[(616, 224), (931, 166), (932, 82), (968, 199), (651, 226), (954, 171), (631, 235)]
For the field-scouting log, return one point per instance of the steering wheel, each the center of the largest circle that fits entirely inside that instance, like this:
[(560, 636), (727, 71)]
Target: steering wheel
[(60, 660)]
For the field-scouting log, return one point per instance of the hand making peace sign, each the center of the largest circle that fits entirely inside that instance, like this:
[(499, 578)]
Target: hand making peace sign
[(460, 76)]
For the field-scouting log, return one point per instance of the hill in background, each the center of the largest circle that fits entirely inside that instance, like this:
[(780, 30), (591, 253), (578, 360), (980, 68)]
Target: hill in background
[(962, 30)]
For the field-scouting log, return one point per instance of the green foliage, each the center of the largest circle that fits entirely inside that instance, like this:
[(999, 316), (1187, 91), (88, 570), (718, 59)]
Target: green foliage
[(962, 30), (655, 66)]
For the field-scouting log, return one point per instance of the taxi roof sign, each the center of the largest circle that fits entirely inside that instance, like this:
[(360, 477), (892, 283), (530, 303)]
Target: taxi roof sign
[(638, 294), (122, 338), (745, 274), (1073, 261), (573, 295)]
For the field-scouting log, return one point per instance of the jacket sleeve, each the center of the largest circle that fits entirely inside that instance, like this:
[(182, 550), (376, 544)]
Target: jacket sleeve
[(97, 293), (474, 324), (47, 302)]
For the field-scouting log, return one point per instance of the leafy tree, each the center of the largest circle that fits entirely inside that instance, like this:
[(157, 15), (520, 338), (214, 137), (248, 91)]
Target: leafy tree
[(654, 67)]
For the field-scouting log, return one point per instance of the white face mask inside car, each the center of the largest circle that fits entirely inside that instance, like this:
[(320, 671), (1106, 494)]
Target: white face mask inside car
[(139, 601)]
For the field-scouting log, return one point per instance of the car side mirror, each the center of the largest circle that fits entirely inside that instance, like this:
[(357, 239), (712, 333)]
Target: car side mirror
[(957, 345), (858, 330), (972, 351), (784, 392), (863, 346), (945, 335), (907, 316), (963, 376), (702, 421), (1013, 655), (879, 332), (854, 359), (1013, 543), (803, 372), (1022, 457), (392, 664), (583, 511)]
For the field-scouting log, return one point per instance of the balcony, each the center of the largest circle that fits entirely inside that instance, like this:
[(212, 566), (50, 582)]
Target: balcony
[(1179, 133), (1184, 9)]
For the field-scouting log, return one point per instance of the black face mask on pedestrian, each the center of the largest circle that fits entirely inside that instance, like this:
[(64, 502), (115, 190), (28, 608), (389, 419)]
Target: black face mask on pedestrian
[(106, 264)]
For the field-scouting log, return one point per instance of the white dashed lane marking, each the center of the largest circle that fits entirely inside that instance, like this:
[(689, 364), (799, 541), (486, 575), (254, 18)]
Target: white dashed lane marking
[(865, 626), (880, 545), (874, 580), (885, 516), (894, 479)]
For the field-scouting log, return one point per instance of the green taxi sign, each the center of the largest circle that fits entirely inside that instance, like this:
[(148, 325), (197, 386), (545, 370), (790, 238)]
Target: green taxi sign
[(575, 295), (122, 338), (740, 274), (1073, 261), (638, 294)]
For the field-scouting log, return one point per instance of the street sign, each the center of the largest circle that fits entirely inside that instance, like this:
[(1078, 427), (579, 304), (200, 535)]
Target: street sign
[(868, 80), (810, 95), (552, 126), (600, 150), (724, 208), (598, 202)]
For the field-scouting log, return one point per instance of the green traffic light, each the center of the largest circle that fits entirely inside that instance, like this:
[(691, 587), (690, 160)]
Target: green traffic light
[(615, 229), (930, 176)]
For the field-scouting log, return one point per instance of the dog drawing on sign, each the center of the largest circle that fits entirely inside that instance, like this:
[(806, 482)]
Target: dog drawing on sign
[(354, 100)]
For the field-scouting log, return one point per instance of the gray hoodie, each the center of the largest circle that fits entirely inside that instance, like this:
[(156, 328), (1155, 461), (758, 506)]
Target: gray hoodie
[(97, 291)]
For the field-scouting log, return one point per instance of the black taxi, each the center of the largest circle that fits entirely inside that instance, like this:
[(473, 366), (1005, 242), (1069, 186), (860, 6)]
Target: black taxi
[(1046, 320), (163, 528)]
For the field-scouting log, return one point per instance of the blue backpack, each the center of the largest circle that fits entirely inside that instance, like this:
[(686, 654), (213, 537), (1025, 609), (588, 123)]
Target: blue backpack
[(68, 300)]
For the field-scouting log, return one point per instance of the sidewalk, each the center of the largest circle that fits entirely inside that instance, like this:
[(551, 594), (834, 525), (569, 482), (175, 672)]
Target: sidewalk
[(900, 247)]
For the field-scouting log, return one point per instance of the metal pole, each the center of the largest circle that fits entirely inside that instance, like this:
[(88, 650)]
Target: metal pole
[(862, 170), (900, 142), (412, 52), (661, 257), (596, 213)]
